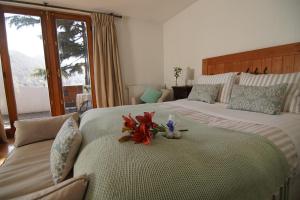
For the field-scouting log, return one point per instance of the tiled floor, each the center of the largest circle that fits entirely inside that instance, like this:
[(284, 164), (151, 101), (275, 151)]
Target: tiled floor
[(5, 148)]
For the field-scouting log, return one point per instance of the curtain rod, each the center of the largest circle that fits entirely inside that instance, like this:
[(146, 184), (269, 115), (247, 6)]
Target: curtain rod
[(59, 7)]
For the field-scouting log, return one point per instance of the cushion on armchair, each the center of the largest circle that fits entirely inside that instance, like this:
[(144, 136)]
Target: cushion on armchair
[(34, 130), (151, 95), (165, 94)]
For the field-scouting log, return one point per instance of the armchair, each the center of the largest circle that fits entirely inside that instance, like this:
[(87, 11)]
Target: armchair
[(164, 97)]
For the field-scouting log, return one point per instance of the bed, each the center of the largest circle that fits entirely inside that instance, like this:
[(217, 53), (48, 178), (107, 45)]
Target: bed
[(225, 154)]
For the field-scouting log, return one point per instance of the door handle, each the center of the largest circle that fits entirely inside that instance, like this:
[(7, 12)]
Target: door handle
[(58, 73)]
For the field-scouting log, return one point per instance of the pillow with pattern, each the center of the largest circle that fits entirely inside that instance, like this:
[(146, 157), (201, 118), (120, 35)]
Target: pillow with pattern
[(205, 92), (290, 104), (226, 82), (64, 150), (268, 100)]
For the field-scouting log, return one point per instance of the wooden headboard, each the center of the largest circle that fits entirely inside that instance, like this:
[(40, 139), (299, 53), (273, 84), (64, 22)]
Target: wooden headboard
[(276, 60)]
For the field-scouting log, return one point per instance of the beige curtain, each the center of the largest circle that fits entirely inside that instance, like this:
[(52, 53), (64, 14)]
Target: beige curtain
[(2, 131), (108, 79)]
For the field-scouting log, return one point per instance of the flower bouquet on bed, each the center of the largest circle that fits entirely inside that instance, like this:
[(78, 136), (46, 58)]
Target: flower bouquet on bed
[(141, 129)]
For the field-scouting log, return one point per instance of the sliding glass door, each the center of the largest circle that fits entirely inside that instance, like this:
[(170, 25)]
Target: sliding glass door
[(72, 41), (3, 102), (45, 62), (27, 62)]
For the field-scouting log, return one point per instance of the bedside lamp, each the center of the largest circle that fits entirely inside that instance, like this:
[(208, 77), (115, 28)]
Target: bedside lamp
[(190, 73), (190, 82)]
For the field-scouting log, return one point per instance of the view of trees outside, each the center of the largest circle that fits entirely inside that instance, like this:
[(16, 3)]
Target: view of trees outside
[(26, 52), (25, 49), (72, 47)]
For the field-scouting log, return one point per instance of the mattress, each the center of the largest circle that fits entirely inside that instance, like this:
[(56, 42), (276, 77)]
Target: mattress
[(109, 164)]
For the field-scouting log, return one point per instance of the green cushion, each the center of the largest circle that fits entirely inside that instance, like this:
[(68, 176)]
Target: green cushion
[(151, 95), (205, 92), (268, 100)]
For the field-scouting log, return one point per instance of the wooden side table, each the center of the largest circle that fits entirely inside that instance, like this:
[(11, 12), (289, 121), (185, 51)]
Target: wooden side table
[(181, 92)]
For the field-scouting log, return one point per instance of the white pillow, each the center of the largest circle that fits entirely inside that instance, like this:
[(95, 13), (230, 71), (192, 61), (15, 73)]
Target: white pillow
[(226, 81), (64, 150), (291, 102)]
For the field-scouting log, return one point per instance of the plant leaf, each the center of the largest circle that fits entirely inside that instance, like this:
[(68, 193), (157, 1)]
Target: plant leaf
[(124, 138)]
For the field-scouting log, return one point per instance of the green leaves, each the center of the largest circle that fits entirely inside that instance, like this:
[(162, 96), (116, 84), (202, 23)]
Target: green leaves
[(159, 129), (20, 21), (72, 44), (40, 72), (177, 72)]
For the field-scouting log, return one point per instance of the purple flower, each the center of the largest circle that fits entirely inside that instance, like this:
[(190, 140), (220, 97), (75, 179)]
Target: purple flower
[(171, 125)]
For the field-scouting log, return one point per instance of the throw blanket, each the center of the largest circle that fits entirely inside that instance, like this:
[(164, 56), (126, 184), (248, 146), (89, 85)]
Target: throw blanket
[(277, 136), (207, 163)]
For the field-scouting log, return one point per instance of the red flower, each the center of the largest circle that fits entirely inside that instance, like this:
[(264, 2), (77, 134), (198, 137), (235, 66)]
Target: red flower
[(129, 123), (142, 134), (140, 131), (147, 119)]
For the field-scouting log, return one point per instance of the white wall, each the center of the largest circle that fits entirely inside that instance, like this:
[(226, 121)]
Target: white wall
[(32, 99), (28, 99), (216, 27), (141, 51)]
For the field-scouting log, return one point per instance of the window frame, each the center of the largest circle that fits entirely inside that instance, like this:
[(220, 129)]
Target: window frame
[(48, 25), (60, 15)]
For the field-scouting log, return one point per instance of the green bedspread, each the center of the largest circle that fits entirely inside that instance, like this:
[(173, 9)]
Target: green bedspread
[(207, 163)]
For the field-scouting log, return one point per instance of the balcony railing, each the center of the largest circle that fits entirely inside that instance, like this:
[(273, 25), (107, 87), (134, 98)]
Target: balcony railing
[(33, 102)]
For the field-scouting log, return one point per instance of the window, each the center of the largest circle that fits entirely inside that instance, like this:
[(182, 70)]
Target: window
[(74, 63), (3, 102), (46, 59), (27, 63)]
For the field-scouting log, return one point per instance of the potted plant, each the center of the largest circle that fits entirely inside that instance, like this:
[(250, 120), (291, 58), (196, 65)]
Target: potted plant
[(177, 73)]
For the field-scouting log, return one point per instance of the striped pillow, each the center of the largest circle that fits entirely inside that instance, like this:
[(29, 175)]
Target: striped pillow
[(292, 99), (225, 81)]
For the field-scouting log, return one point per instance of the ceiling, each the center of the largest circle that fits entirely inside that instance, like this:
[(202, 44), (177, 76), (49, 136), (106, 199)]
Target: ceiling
[(155, 10)]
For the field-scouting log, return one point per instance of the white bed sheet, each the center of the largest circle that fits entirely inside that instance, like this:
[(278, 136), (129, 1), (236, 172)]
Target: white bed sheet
[(287, 122)]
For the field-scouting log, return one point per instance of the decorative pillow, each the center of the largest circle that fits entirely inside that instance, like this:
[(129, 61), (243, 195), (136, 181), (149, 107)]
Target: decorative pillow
[(205, 93), (151, 95), (291, 104), (64, 150), (35, 130), (226, 82), (73, 188), (164, 95), (268, 100)]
